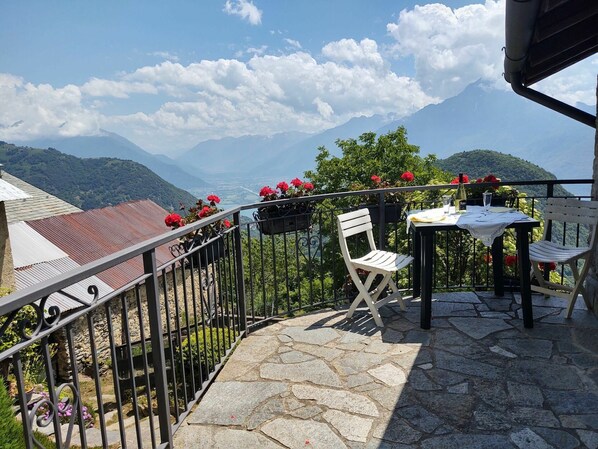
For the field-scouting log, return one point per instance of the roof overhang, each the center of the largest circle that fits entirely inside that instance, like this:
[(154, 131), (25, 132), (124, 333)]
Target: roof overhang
[(544, 37)]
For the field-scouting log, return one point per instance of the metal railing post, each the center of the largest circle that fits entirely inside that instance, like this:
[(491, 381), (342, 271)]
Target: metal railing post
[(239, 273), (155, 323), (382, 216)]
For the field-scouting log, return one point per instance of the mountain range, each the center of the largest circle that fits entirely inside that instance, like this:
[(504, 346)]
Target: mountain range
[(477, 118)]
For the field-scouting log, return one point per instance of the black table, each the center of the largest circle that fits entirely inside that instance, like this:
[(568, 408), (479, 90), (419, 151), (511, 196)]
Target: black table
[(424, 253)]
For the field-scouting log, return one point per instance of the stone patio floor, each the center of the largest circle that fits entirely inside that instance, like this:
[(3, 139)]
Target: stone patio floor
[(477, 379)]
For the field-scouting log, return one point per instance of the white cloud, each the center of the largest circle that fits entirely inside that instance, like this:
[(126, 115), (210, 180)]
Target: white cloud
[(293, 43), (364, 53), (117, 89), (244, 9), (165, 55), (575, 84), (30, 111), (452, 47)]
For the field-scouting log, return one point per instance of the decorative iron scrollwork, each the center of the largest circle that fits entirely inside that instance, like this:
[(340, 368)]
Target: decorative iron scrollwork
[(45, 318), (44, 412), (309, 246)]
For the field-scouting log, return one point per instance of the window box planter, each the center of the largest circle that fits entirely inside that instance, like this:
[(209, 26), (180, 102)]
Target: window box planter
[(280, 219), (210, 253), (393, 213)]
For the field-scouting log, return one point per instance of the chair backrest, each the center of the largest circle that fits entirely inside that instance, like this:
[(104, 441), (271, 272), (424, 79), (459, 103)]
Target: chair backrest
[(353, 223), (571, 210)]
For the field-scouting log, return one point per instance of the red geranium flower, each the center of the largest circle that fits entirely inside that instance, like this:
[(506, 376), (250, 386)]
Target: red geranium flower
[(266, 190), (551, 266), (407, 176), (296, 182), (510, 260), (174, 220), (308, 186), (282, 186), (226, 223), (205, 211), (456, 180), (376, 179), (213, 199), (488, 258)]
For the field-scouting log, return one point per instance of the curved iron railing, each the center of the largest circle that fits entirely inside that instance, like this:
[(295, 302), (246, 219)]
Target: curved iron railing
[(135, 360)]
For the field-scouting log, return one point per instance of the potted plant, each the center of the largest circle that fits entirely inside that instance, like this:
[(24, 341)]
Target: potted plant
[(202, 209), (394, 202), (501, 195), (277, 219)]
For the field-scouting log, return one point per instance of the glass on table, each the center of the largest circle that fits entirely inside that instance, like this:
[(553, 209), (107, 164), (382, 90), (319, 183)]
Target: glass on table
[(446, 203), (487, 196)]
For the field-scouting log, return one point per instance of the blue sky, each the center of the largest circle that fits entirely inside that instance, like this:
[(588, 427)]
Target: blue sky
[(168, 75)]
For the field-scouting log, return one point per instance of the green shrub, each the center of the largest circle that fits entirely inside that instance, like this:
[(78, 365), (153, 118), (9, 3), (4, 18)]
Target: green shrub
[(11, 433), (216, 339)]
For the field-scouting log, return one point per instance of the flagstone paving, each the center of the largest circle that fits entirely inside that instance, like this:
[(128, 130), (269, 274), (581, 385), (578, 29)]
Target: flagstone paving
[(477, 379)]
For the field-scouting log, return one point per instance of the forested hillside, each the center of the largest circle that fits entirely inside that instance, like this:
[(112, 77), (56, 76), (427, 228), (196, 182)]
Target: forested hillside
[(90, 183), (479, 163)]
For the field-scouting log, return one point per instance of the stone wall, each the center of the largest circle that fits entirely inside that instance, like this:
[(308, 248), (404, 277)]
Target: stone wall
[(181, 295)]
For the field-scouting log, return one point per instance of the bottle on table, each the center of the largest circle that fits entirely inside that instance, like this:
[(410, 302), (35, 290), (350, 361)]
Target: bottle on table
[(461, 196)]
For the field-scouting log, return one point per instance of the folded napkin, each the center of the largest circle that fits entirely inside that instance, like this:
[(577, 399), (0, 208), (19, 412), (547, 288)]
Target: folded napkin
[(425, 217)]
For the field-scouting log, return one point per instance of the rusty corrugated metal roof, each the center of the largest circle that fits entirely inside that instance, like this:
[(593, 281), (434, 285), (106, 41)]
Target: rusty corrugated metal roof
[(89, 235), (34, 274)]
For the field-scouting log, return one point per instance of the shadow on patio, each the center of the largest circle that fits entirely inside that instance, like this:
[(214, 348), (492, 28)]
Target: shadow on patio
[(477, 379)]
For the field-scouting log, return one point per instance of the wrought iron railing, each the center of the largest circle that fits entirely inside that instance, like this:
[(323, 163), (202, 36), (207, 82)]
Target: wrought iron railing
[(134, 361)]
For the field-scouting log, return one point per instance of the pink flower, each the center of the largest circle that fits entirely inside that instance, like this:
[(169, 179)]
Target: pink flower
[(407, 176), (226, 223), (282, 186), (308, 186), (213, 199), (376, 179), (296, 182), (266, 191)]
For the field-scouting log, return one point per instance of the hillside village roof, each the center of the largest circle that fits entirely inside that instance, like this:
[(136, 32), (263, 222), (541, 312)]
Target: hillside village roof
[(36, 259), (38, 204), (90, 235), (9, 192)]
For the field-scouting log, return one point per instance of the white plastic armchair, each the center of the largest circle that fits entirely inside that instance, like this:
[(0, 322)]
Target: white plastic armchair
[(375, 262), (576, 212)]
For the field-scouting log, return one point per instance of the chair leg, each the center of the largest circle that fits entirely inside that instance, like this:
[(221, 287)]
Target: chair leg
[(578, 288), (363, 292), (395, 289)]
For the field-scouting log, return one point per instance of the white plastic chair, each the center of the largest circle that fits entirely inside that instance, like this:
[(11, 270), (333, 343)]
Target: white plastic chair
[(376, 262), (565, 210)]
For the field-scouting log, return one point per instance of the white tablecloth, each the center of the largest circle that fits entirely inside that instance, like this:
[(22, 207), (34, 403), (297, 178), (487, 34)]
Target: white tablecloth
[(481, 224)]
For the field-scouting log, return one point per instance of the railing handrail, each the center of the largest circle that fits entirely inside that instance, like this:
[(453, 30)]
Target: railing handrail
[(32, 293), (325, 196)]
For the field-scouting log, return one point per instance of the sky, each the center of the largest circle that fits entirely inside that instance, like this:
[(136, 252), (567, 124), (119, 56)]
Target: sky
[(168, 75)]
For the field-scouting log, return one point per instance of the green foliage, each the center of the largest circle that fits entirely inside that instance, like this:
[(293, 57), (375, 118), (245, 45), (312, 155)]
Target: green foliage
[(90, 183), (387, 156), (479, 163), (11, 433), (215, 340)]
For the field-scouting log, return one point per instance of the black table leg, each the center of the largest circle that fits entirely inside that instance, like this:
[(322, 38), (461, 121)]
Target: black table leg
[(417, 260), (497, 266), (524, 273), (427, 240)]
